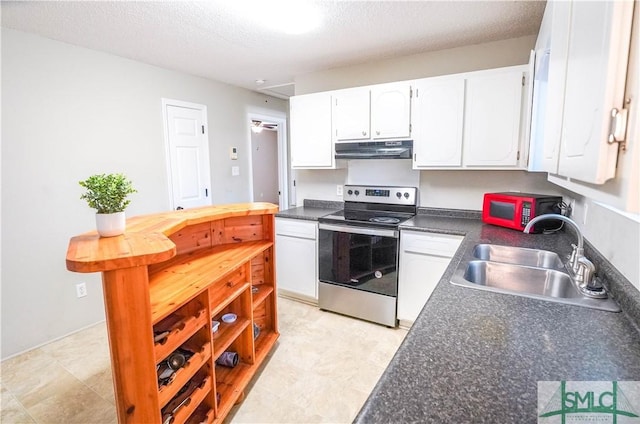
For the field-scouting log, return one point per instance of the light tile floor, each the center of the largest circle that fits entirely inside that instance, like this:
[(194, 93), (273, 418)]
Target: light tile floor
[(322, 370)]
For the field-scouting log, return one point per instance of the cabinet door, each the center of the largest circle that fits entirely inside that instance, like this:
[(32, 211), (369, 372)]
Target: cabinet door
[(492, 118), (311, 142), (391, 110), (595, 81), (296, 257), (351, 114), (556, 73), (437, 119), (419, 275), (423, 259)]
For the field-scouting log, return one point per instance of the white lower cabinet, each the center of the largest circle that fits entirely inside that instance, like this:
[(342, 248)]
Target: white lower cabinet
[(423, 259), (296, 258)]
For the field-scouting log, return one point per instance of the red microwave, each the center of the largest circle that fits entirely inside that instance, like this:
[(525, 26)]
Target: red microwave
[(515, 210)]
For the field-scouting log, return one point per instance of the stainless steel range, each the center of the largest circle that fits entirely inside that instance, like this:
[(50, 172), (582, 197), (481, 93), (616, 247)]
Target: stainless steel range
[(358, 252)]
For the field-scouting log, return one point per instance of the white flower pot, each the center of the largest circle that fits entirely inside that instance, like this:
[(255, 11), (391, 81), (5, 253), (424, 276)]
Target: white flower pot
[(110, 224)]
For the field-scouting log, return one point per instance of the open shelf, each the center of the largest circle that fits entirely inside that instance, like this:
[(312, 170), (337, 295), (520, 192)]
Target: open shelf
[(264, 343), (230, 383), (227, 334), (263, 292), (202, 414), (180, 329), (184, 374), (225, 301), (183, 277), (194, 400)]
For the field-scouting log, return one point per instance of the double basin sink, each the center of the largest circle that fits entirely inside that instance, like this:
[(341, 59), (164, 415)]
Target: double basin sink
[(533, 273)]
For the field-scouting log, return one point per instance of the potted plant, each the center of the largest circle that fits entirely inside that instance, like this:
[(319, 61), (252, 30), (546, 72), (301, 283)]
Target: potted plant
[(107, 194)]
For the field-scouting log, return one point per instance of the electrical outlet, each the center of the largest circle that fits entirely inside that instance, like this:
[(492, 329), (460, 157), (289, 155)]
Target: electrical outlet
[(81, 289), (339, 190), (571, 204)]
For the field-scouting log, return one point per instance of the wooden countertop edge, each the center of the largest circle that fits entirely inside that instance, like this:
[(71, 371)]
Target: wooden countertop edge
[(147, 239)]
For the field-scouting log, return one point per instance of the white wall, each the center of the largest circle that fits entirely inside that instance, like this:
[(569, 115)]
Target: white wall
[(465, 189), (475, 57), (264, 164), (67, 113)]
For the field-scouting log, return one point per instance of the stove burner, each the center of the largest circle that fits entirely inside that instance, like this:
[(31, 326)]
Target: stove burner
[(384, 220)]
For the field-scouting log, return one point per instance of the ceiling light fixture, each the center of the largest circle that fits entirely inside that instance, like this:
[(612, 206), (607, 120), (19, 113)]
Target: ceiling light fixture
[(256, 126)]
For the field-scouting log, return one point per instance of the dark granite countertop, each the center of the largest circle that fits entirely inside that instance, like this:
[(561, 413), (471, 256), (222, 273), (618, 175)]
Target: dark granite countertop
[(475, 356), (311, 210)]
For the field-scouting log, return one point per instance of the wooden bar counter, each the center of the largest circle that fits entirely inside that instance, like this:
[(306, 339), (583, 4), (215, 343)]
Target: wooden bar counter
[(165, 280)]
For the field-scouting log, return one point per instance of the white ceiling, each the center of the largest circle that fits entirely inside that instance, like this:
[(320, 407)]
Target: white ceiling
[(213, 39)]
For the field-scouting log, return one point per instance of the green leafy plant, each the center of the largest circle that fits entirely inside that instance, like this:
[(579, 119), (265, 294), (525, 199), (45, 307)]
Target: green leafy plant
[(107, 193)]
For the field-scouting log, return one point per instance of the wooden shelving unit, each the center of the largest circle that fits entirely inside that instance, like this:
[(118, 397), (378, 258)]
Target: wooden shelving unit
[(164, 282)]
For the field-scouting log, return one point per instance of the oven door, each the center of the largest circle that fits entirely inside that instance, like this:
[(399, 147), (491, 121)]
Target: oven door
[(360, 258)]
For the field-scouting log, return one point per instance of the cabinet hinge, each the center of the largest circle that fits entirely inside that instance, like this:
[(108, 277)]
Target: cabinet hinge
[(410, 128), (410, 92), (206, 192), (417, 92), (523, 80), (618, 126), (203, 129), (518, 155)]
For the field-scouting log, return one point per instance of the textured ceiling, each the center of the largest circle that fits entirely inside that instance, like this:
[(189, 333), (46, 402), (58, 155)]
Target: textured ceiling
[(213, 39)]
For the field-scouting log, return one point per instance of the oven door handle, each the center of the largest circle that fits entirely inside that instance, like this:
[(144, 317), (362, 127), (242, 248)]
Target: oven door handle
[(359, 230)]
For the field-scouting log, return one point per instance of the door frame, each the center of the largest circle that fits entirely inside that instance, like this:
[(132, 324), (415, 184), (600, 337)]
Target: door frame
[(279, 118), (165, 123)]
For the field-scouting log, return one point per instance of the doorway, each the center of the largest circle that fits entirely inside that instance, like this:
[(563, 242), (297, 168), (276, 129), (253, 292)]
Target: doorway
[(187, 146), (269, 159)]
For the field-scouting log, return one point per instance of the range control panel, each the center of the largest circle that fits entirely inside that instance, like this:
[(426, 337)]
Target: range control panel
[(381, 194)]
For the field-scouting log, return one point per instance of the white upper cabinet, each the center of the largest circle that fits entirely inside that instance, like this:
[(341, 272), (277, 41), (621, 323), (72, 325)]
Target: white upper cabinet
[(596, 66), (552, 67), (391, 110), (438, 116), (470, 121), (310, 128), (351, 114), (376, 112), (492, 116), (586, 74)]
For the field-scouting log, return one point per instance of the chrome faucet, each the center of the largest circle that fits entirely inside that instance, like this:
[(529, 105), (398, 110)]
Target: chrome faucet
[(581, 269)]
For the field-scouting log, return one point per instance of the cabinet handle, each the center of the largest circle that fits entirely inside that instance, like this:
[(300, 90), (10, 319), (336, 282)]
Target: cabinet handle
[(377, 132), (617, 126), (364, 133)]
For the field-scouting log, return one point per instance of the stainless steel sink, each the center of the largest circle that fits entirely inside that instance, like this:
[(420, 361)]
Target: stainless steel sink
[(518, 255), (509, 270), (521, 279)]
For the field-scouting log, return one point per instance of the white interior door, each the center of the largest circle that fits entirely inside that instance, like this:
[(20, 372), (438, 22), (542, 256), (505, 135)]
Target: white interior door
[(187, 154)]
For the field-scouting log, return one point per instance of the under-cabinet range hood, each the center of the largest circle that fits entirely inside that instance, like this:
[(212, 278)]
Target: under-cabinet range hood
[(400, 149)]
